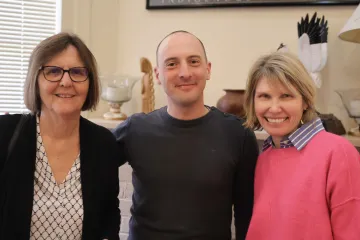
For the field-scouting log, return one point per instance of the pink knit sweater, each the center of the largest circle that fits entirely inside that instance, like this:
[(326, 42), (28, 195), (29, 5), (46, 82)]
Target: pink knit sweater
[(311, 194)]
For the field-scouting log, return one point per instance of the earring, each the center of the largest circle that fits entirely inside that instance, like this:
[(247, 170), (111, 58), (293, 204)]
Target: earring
[(301, 121)]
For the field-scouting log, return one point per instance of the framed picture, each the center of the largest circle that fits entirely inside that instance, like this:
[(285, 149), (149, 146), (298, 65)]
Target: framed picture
[(168, 4)]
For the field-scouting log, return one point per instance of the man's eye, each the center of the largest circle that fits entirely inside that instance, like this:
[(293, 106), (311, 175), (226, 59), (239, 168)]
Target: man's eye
[(195, 61), (171, 64)]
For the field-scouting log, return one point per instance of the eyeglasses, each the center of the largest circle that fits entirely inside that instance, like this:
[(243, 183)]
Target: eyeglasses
[(55, 74)]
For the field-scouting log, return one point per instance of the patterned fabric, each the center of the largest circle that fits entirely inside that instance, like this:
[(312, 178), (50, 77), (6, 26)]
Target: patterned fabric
[(57, 209), (299, 138)]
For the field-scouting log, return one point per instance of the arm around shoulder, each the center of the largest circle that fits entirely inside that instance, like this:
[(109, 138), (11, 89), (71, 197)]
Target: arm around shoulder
[(121, 133), (112, 217), (343, 191), (244, 184)]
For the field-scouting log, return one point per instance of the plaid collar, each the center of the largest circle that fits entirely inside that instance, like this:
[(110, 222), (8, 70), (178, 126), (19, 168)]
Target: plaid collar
[(299, 138)]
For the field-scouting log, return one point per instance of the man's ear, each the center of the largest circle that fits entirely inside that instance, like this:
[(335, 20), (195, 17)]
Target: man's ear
[(208, 68), (156, 70)]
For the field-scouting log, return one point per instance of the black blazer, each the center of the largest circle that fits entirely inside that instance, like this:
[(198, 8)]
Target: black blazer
[(99, 179)]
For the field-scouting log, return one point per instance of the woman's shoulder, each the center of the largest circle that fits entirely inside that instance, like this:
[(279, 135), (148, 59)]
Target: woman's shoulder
[(331, 139), (333, 143), (89, 125), (98, 141), (9, 121), (95, 131), (9, 118)]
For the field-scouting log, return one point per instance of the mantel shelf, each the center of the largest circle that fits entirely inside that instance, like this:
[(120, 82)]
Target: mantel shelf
[(260, 135)]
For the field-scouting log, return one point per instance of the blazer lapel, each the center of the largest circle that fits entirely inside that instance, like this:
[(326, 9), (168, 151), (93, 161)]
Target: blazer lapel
[(86, 155)]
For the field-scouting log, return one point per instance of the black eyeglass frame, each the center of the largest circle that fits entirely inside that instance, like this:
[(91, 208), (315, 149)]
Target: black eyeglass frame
[(63, 73)]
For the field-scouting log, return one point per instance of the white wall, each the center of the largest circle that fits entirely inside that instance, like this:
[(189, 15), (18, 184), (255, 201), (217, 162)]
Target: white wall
[(120, 32)]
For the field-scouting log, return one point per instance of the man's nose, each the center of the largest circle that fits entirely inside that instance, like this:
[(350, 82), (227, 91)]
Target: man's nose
[(184, 71)]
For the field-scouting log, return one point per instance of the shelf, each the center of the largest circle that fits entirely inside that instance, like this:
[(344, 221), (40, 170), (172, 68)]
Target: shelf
[(354, 140), (260, 135)]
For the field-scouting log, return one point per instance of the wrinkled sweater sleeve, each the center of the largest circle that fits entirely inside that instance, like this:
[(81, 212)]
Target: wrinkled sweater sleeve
[(343, 191), (121, 133), (244, 185)]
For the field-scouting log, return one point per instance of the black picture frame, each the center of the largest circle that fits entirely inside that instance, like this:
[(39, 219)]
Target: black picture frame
[(176, 4)]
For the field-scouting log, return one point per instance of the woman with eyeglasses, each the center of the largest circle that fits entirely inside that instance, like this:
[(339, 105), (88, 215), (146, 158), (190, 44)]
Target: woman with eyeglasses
[(58, 171)]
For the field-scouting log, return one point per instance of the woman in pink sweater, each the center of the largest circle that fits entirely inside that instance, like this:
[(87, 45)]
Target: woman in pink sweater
[(307, 180)]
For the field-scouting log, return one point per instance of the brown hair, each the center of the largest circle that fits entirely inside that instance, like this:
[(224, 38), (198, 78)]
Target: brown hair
[(286, 69), (44, 52)]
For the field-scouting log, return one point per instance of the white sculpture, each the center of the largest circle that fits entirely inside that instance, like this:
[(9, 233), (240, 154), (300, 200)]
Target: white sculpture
[(312, 45)]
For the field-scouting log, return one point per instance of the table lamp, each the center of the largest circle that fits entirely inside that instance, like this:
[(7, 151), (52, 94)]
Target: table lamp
[(351, 97), (351, 31)]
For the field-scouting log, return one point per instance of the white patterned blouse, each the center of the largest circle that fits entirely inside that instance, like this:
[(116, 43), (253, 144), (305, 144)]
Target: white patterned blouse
[(57, 209)]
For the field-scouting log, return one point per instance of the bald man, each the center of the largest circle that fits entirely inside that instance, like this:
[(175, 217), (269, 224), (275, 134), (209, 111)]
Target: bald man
[(192, 164)]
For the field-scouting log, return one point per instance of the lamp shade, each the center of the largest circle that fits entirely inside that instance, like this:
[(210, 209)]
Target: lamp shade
[(351, 31)]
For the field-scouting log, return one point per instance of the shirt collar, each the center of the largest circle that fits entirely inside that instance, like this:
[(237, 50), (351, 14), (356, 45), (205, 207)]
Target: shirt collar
[(299, 138)]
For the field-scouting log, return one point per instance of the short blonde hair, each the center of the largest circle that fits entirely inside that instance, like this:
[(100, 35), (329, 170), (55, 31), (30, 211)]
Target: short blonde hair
[(286, 69), (44, 52)]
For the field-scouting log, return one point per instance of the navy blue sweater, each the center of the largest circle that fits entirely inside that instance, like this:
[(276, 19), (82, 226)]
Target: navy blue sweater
[(188, 175)]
